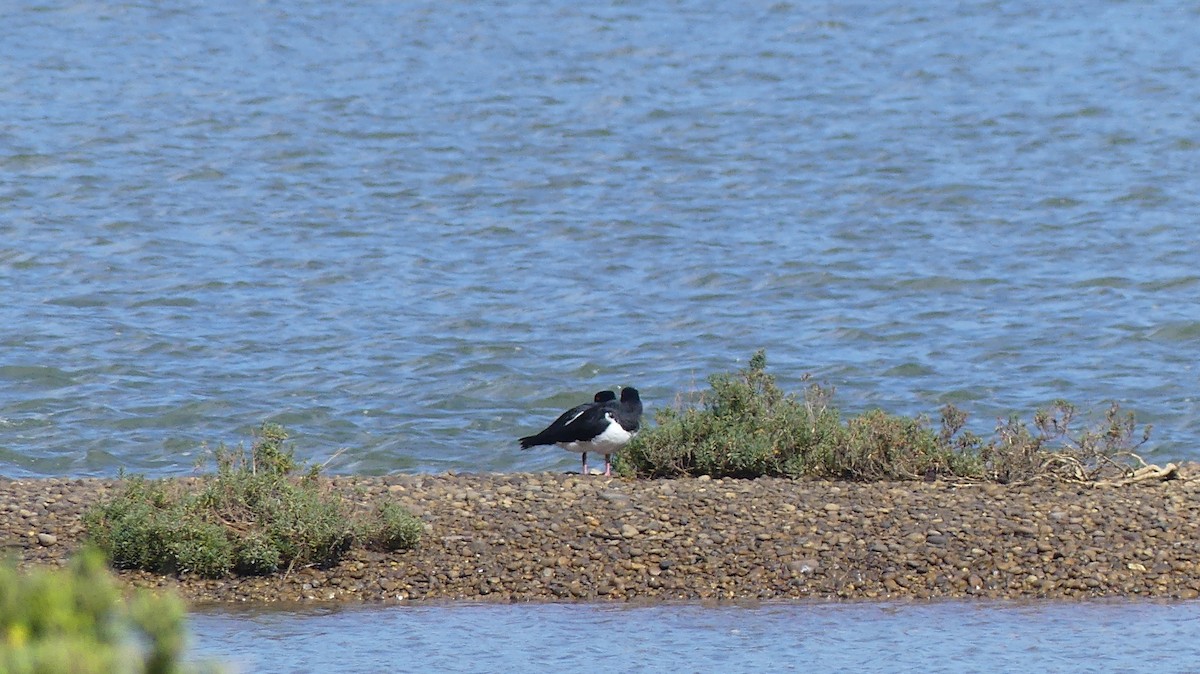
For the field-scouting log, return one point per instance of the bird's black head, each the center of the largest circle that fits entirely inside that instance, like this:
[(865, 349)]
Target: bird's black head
[(630, 415), (605, 396)]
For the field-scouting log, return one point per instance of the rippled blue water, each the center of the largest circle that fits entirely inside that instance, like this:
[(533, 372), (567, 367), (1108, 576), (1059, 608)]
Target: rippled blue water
[(418, 230), (939, 637)]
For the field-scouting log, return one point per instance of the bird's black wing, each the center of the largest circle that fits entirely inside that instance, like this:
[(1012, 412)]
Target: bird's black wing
[(582, 422)]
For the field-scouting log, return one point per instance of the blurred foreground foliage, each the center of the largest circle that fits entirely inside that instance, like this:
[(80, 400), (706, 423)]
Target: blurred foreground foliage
[(74, 620)]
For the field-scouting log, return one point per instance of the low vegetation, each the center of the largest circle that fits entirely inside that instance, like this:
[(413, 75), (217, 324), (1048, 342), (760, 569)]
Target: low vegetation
[(745, 426), (76, 620), (260, 513)]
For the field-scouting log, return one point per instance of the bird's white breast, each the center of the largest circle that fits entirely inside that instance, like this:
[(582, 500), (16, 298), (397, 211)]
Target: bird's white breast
[(613, 438)]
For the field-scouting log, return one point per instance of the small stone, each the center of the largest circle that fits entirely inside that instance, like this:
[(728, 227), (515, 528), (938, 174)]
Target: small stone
[(47, 539), (832, 507), (615, 497), (1025, 530), (803, 566), (629, 531)]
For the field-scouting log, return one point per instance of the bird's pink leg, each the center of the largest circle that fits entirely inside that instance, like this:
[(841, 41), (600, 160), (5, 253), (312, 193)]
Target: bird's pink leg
[(607, 465)]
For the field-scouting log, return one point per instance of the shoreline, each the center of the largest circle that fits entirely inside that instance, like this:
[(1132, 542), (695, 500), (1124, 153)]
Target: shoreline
[(555, 537)]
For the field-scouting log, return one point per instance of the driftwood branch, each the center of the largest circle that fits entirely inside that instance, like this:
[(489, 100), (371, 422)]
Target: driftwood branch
[(1146, 473)]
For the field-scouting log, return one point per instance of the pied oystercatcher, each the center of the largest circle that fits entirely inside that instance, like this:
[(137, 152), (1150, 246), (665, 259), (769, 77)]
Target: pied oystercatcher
[(603, 426)]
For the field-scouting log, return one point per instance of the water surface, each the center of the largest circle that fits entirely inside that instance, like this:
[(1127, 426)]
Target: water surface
[(851, 637), (418, 230)]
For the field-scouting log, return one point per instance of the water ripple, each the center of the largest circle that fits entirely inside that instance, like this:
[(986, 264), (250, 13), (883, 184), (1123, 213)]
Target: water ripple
[(419, 231)]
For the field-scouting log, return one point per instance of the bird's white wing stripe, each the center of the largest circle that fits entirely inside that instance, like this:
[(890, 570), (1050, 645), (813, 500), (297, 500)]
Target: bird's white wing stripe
[(572, 419)]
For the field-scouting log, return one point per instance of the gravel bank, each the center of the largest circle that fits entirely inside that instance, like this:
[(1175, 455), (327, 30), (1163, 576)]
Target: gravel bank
[(548, 537)]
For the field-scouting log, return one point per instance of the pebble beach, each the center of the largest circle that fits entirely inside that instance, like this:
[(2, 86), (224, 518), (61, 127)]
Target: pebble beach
[(554, 537)]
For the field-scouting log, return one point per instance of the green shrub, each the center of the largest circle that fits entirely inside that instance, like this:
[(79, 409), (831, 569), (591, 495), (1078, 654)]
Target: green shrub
[(881, 446), (133, 528), (260, 513), (75, 620), (256, 554), (745, 426), (200, 547), (393, 528), (269, 454)]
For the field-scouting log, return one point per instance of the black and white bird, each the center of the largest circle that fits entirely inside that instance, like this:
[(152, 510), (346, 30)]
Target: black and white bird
[(603, 426)]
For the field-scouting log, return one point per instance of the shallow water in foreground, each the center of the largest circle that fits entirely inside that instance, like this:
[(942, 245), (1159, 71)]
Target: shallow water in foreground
[(891, 637)]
